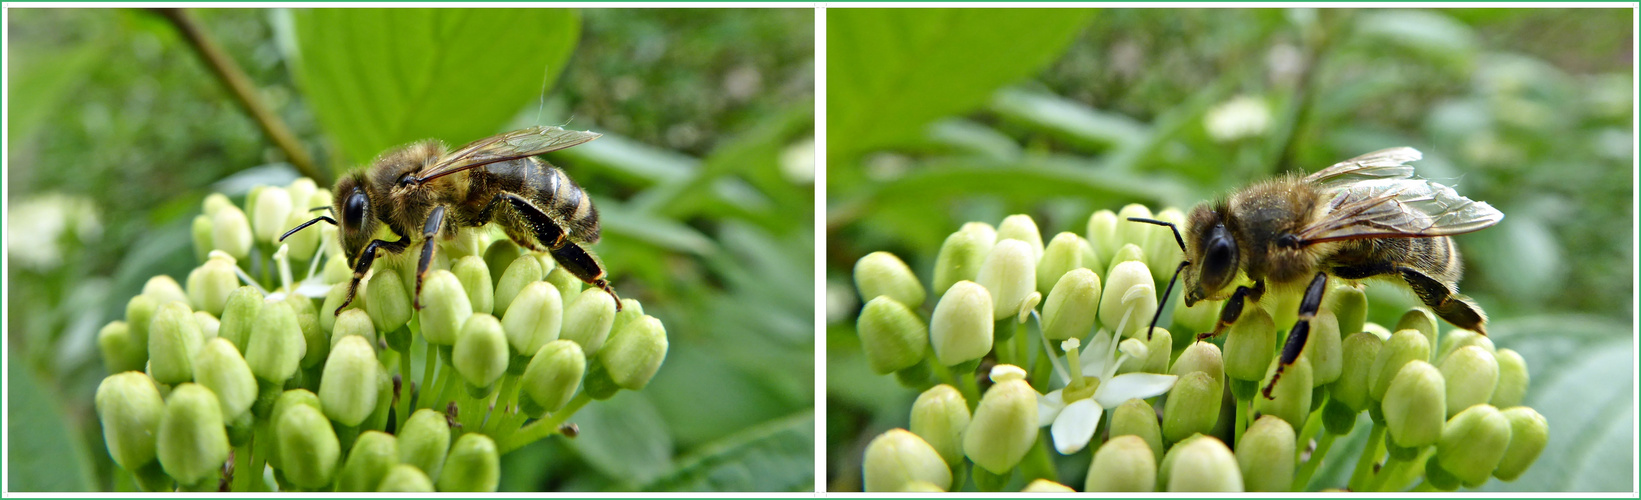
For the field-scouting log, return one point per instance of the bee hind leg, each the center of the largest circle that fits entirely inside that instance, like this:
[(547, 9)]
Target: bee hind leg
[(435, 222), (1457, 309), (575, 259), (366, 257), (1301, 330)]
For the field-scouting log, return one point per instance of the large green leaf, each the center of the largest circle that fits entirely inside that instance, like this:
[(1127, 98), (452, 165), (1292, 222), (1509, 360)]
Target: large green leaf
[(625, 438), (48, 457), (890, 71), (775, 456), (379, 78)]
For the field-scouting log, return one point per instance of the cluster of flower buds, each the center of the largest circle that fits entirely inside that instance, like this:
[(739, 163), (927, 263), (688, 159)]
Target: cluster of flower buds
[(1093, 375), (235, 383)]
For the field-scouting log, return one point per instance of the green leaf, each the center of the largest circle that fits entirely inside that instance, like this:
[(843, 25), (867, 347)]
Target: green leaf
[(41, 80), (625, 438), (50, 458), (894, 70), (379, 78), (775, 456), (1069, 119)]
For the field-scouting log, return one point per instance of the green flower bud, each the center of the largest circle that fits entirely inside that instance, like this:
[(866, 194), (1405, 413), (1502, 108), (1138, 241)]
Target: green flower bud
[(1404, 346), (1360, 350), (424, 441), (1473, 443), (1004, 426), (1456, 339), (884, 274), (407, 479), (1162, 253), (524, 270), (276, 346), (307, 319), (1471, 375), (939, 416), (473, 466), (961, 328), (1009, 273), (1192, 406), (587, 320), (551, 378), (1267, 455), (892, 336), (1129, 294), (308, 448), (173, 338), (355, 323), (231, 232), (387, 300), (1123, 464), (219, 368), (1045, 486), (1512, 386), (270, 212), (1102, 235), (139, 315), (1415, 405), (1157, 352), (474, 277), (534, 318), (1201, 357), (305, 243), (1292, 393), (1424, 321), (635, 353), (959, 258), (1204, 464), (130, 408), (631, 309), (898, 457), (1528, 435), (1200, 317), (164, 289), (1072, 303), (336, 269), (1130, 232), (1348, 304), (208, 324), (1137, 418), (373, 455), (1126, 253), (215, 202), (333, 300), (119, 348), (1064, 253), (283, 402), (501, 254), (1021, 227), (445, 307), (347, 390), (201, 231), (1324, 348), (1377, 330), (1250, 345), (192, 443), (480, 353), (567, 284)]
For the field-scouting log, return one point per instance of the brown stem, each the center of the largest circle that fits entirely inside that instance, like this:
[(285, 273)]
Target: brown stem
[(243, 90)]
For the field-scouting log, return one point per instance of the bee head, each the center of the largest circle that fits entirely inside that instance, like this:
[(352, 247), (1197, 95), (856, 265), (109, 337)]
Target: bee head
[(1214, 252), (353, 211)]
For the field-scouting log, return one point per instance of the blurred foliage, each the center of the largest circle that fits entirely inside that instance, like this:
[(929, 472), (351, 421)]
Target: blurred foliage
[(1529, 110), (120, 130)]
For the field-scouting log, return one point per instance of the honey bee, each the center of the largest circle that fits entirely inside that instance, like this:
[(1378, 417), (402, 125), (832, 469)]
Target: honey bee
[(1361, 218), (422, 191)]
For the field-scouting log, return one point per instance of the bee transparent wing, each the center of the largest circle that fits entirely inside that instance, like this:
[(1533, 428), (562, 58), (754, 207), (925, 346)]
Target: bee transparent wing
[(509, 146), (1382, 164), (1391, 208)]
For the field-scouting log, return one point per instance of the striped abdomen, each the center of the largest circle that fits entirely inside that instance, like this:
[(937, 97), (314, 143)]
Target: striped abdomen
[(548, 189)]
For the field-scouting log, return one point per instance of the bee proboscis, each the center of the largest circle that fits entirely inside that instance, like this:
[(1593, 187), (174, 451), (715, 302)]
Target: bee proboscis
[(1366, 217)]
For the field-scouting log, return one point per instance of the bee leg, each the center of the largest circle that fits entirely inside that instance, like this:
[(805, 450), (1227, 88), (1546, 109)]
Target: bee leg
[(435, 222), (1456, 309), (578, 261), (366, 257), (1233, 308), (1301, 330)]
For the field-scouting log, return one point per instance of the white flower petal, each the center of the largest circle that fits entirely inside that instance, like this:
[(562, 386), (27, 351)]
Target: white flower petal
[(1094, 356), (1132, 386), (1049, 406), (1075, 426)]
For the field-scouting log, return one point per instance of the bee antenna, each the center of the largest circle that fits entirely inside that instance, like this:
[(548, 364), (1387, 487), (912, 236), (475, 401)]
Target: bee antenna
[(1164, 300), (324, 207), (1177, 238), (306, 224)]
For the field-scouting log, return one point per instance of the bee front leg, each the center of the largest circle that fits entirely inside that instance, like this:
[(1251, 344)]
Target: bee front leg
[(1301, 330), (435, 222), (366, 257), (1233, 308)]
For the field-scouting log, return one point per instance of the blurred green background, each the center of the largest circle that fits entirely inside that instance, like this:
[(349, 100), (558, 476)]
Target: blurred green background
[(937, 117), (704, 177)]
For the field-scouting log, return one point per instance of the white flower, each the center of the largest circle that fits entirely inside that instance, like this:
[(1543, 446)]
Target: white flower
[(1239, 118), (1074, 417)]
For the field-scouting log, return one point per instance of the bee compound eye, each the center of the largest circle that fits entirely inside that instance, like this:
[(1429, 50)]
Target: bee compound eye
[(354, 210), (1220, 260)]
